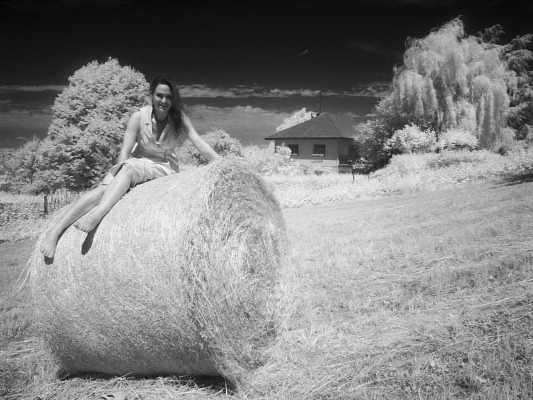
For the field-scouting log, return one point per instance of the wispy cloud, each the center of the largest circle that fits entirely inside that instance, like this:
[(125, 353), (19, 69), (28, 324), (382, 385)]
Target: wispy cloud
[(237, 92), (374, 89), (376, 50), (240, 92), (27, 119), (31, 88)]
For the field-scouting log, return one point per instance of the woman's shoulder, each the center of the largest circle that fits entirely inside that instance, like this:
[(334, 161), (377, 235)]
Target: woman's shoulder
[(146, 110), (136, 118), (136, 115)]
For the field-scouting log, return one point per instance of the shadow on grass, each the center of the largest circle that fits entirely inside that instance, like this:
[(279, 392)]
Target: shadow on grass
[(516, 179), (216, 384)]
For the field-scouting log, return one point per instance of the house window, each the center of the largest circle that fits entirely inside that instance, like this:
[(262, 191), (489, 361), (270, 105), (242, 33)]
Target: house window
[(294, 149), (319, 150)]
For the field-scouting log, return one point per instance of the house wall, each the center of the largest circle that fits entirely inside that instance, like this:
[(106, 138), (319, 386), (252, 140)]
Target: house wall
[(305, 156), (344, 145)]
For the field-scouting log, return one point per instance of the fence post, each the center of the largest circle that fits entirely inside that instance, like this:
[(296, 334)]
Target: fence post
[(45, 204)]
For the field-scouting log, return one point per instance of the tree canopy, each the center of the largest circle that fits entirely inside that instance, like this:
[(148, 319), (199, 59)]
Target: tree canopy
[(89, 119), (469, 85), (455, 81)]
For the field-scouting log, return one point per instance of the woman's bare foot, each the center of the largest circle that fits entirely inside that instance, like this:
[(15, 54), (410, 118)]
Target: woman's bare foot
[(88, 222), (49, 244)]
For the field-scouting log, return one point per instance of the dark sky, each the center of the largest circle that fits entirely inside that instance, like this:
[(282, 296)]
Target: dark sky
[(237, 62)]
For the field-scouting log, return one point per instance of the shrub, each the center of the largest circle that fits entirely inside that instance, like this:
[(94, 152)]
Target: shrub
[(411, 139), (457, 139), (270, 160), (218, 139)]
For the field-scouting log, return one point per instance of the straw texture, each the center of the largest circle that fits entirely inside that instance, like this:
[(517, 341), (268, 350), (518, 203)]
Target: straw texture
[(179, 278)]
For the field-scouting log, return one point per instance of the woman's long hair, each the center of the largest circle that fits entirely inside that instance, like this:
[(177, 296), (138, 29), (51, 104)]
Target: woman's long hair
[(176, 109)]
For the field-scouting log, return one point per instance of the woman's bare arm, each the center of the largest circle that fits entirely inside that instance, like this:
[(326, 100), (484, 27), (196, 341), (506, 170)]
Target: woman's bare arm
[(130, 137), (197, 141)]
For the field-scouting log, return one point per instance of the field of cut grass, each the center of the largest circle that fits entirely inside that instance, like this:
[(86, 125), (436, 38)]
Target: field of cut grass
[(425, 295)]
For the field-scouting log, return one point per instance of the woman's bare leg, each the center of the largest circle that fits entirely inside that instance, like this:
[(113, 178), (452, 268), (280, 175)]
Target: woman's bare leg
[(115, 190), (80, 207)]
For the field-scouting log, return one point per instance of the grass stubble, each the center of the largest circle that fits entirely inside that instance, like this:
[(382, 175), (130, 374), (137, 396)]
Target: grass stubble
[(419, 296)]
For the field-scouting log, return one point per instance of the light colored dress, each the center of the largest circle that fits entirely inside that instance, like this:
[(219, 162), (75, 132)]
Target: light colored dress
[(151, 158)]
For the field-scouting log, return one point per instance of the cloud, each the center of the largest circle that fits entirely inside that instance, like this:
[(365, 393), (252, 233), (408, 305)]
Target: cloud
[(204, 91), (365, 47), (200, 91), (374, 89), (248, 124), (32, 88), (243, 91), (376, 50), (18, 126), (22, 116), (37, 120)]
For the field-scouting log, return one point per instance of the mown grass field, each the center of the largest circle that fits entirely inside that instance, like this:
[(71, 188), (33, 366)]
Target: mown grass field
[(424, 295)]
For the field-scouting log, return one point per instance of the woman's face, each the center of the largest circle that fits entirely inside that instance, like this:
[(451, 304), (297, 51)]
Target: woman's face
[(162, 98)]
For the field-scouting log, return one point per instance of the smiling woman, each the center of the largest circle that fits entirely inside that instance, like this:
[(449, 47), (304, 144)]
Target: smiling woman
[(154, 130)]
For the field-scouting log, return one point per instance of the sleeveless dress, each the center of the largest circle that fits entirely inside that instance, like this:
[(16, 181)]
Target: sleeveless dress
[(151, 158)]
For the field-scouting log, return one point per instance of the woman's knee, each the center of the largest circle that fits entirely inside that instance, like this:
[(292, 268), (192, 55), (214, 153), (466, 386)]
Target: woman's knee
[(126, 173)]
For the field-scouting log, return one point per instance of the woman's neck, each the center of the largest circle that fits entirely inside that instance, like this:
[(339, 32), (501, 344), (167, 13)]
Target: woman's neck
[(160, 116)]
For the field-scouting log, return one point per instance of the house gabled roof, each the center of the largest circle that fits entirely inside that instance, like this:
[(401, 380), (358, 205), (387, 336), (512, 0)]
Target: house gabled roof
[(323, 126)]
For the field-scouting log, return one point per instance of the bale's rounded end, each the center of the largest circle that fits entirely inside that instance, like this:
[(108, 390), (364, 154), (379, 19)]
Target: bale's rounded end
[(179, 278)]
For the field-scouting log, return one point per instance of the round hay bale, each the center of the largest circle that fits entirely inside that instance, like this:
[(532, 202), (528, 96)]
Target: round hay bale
[(179, 278)]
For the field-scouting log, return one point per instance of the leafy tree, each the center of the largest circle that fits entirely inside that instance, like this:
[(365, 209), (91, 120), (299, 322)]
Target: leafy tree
[(451, 80), (370, 136), (90, 117), (519, 59), (218, 139), (21, 168)]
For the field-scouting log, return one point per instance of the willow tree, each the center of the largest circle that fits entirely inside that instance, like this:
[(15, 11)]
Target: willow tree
[(457, 82)]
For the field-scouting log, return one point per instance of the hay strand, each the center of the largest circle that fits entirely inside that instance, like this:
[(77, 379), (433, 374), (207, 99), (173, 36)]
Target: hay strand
[(179, 278)]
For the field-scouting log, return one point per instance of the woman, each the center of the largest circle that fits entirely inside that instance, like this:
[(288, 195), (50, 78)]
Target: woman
[(155, 129)]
